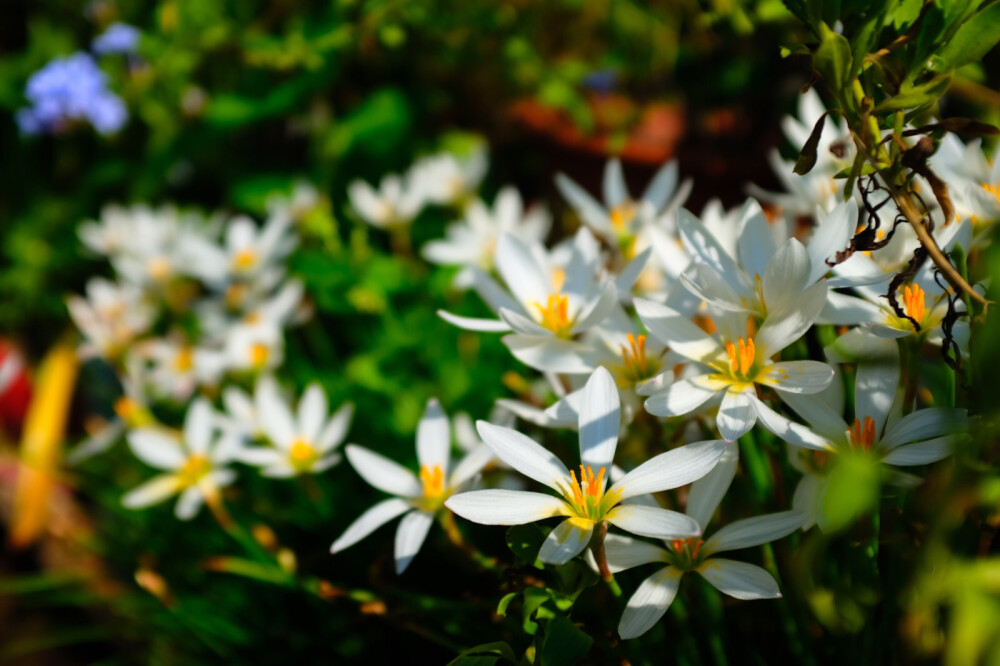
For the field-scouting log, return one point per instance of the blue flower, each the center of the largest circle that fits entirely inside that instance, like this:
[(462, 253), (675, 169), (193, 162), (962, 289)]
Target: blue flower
[(118, 38), (70, 89)]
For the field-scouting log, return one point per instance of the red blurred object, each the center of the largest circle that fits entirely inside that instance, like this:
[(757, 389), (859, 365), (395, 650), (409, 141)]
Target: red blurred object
[(15, 388)]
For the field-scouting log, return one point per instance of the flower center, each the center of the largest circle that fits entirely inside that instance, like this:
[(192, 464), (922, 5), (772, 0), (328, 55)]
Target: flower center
[(432, 479), (159, 269), (586, 495), (914, 302), (862, 436), (184, 360), (992, 189), (302, 454), (196, 467), (259, 353), (127, 410), (741, 357), (686, 551), (635, 364), (244, 260), (555, 314), (622, 214)]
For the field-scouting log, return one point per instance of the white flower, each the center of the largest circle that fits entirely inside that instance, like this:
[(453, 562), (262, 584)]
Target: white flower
[(734, 364), (254, 347), (736, 579), (131, 411), (472, 241), (445, 179), (178, 368), (919, 438), (419, 499), (586, 502), (193, 465), (301, 444), (621, 218), (242, 419), (547, 306), (247, 253), (111, 317), (394, 204)]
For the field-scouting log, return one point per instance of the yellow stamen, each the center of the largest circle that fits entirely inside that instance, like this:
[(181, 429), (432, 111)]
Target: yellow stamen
[(992, 189), (558, 279), (914, 302), (687, 548), (126, 408), (635, 355), (622, 214), (244, 260), (193, 470), (159, 269), (433, 481), (303, 455), (741, 359), (555, 314), (184, 360), (862, 436), (259, 353)]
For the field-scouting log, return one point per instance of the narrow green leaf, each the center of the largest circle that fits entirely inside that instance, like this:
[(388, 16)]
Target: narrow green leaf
[(918, 96), (834, 62), (972, 41), (807, 157)]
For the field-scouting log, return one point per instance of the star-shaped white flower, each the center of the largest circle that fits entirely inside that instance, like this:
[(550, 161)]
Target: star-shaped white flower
[(418, 500), (585, 502), (193, 464)]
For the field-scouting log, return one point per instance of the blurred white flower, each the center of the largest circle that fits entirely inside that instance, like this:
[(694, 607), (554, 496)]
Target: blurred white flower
[(111, 317), (193, 464), (417, 500), (445, 179), (395, 203)]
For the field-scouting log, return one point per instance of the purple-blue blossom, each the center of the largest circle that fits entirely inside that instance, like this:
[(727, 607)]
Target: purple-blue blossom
[(118, 38), (70, 89)]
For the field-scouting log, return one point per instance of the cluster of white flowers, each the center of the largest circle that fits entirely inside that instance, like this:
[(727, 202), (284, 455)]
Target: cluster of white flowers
[(648, 310), (649, 307)]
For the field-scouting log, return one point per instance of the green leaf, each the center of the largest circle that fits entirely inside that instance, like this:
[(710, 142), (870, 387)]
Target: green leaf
[(971, 42), (851, 490), (504, 603), (807, 157), (480, 655), (525, 541), (833, 61), (564, 643), (916, 97)]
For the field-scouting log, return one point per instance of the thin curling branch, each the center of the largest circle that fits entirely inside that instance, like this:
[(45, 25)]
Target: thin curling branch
[(906, 206)]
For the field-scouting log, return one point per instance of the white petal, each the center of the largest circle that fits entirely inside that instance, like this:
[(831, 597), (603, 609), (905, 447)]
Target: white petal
[(312, 413), (382, 473), (591, 212), (662, 186), (832, 235), (156, 448), (681, 397), (756, 243), (259, 456), (152, 492), (615, 190), (806, 499), (875, 386), (671, 469), (739, 579), (600, 419), (369, 521), (653, 521), (785, 276), (410, 536), (798, 376), (433, 437), (791, 432), (336, 428), (523, 454), (922, 453), (847, 310), (676, 331), (505, 507), (623, 552), (188, 503), (650, 602), (781, 330), (736, 415), (754, 531), (275, 418), (701, 244), (924, 424), (823, 418), (474, 323), (597, 310), (550, 354), (198, 425), (469, 466), (633, 269), (566, 541), (708, 491), (522, 273)]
